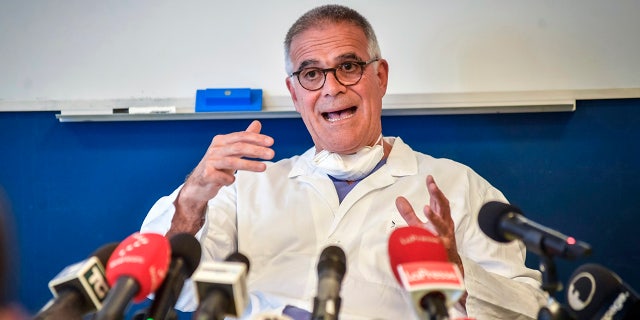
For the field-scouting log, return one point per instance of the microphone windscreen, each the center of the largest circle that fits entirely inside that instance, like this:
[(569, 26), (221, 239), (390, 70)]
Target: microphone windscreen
[(414, 244), (595, 291), (490, 216), (187, 247), (104, 252), (333, 258), (144, 257), (239, 257)]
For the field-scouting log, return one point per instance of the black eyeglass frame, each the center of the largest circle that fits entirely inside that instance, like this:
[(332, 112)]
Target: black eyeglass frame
[(362, 64)]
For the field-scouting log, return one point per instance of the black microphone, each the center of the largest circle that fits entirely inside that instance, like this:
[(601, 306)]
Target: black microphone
[(331, 269), (504, 223), (80, 288), (185, 258), (595, 292), (221, 288)]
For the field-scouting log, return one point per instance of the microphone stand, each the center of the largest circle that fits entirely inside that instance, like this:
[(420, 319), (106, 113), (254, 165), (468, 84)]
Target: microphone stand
[(550, 282), (553, 310)]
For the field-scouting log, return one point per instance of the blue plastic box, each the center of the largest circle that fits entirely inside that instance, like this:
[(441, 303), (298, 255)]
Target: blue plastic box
[(230, 99)]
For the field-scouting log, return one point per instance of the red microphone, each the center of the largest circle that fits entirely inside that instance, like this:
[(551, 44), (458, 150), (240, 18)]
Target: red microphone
[(420, 264), (136, 268)]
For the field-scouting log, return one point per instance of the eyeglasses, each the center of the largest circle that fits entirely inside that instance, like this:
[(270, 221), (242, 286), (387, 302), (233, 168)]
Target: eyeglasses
[(346, 73)]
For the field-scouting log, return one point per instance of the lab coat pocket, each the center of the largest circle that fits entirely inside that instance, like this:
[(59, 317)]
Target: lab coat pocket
[(373, 256)]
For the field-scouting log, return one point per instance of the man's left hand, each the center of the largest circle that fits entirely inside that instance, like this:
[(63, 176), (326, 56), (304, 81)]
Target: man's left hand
[(438, 213)]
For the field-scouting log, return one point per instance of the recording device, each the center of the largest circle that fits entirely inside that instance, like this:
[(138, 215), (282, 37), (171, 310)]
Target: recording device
[(504, 223), (136, 268), (185, 257), (331, 269), (420, 264), (78, 289), (221, 288), (595, 292)]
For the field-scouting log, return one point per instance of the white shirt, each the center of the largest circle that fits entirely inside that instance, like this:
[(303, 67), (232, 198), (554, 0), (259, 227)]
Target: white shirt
[(281, 219)]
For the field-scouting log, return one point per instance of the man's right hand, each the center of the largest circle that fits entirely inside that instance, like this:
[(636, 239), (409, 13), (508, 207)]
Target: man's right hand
[(226, 154)]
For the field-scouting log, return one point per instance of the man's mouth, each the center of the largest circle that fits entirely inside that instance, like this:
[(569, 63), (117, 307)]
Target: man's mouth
[(339, 115)]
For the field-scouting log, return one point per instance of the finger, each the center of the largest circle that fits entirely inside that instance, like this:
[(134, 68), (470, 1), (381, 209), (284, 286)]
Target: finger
[(250, 135), (438, 201), (255, 126), (242, 136), (436, 220), (232, 164), (242, 149), (241, 144), (438, 211), (407, 213)]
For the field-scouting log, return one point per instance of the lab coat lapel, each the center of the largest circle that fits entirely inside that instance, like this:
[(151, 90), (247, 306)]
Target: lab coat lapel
[(377, 180), (306, 173), (401, 162)]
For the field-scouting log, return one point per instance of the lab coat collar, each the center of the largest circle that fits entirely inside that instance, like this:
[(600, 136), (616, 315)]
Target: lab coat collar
[(401, 161)]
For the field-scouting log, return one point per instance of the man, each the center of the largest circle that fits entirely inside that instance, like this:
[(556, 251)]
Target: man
[(351, 189)]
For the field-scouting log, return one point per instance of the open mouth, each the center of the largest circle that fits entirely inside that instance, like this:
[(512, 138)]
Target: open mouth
[(340, 115)]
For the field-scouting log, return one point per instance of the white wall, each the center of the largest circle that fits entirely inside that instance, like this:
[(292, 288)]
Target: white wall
[(91, 49)]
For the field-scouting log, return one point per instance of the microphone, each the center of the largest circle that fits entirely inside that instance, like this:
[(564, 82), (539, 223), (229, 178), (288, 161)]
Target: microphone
[(185, 257), (504, 223), (331, 269), (595, 292), (420, 264), (135, 269), (221, 288), (78, 289)]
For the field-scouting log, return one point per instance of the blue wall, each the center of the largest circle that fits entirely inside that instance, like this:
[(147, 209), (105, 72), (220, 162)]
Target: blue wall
[(76, 186)]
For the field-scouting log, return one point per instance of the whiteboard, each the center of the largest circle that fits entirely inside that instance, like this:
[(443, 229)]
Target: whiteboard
[(87, 49)]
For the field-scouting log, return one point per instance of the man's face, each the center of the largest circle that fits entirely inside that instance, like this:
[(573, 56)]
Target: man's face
[(339, 118)]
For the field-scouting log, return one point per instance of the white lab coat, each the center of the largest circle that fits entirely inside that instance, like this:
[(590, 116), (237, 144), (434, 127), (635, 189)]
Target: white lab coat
[(284, 217)]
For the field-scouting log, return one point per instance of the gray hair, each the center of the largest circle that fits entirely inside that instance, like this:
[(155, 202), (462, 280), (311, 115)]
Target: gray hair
[(334, 14)]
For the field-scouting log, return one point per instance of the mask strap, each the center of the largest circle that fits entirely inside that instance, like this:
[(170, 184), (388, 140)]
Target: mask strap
[(381, 140)]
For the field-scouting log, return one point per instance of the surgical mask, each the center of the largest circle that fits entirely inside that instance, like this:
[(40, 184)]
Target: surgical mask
[(350, 166)]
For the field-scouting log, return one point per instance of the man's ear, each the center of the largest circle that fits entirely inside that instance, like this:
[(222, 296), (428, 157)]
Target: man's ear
[(383, 75), (292, 92)]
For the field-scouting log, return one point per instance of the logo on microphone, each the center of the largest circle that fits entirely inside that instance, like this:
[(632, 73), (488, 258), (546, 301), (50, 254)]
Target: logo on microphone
[(581, 291), (617, 305), (134, 241), (418, 238), (96, 279), (429, 273)]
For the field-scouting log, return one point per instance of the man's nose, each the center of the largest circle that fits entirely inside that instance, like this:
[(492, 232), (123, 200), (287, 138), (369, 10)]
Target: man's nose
[(332, 84)]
